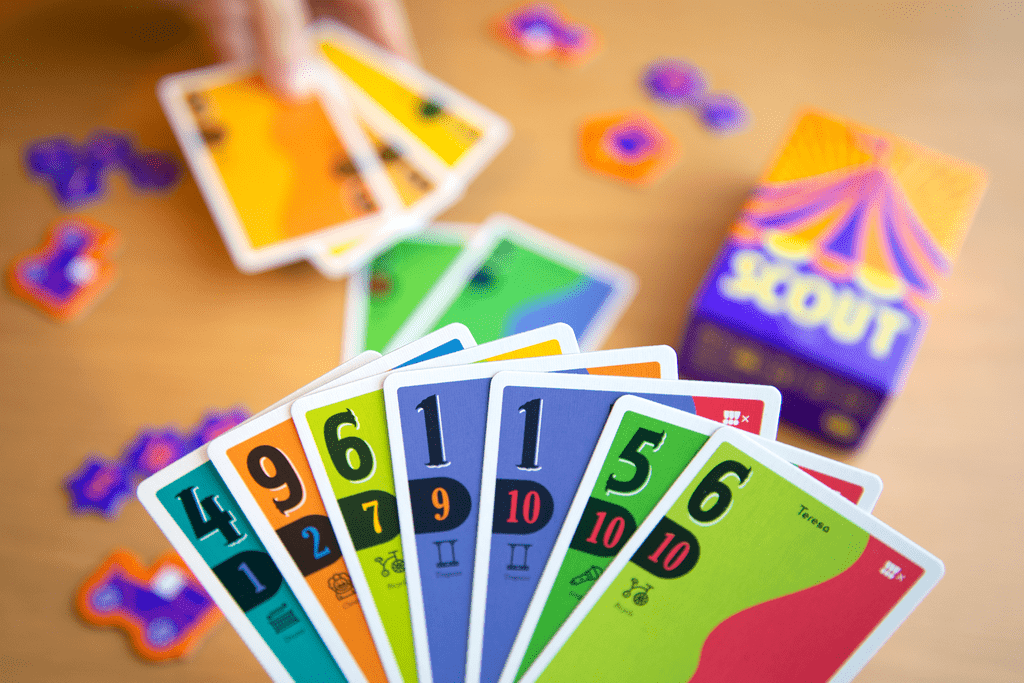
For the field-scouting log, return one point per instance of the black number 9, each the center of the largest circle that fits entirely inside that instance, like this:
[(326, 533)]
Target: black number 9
[(284, 475), (339, 448), (712, 485)]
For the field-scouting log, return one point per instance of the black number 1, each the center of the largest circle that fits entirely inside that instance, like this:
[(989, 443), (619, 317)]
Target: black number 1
[(435, 443), (531, 434)]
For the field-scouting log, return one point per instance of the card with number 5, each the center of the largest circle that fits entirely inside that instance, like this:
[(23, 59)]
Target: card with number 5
[(748, 569)]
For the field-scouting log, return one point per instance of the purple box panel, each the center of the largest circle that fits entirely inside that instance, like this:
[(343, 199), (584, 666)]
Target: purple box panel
[(821, 400)]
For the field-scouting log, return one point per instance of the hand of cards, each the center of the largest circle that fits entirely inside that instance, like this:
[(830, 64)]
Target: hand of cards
[(376, 149), (520, 511)]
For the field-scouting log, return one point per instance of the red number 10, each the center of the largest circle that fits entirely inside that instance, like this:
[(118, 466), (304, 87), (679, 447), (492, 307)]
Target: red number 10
[(531, 506), (675, 556), (612, 533)]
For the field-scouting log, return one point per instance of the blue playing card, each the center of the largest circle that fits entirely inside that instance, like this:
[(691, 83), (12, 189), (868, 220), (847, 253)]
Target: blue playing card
[(436, 425), (540, 438)]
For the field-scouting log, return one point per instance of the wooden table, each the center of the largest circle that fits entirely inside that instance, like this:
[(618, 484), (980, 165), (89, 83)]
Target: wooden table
[(183, 331)]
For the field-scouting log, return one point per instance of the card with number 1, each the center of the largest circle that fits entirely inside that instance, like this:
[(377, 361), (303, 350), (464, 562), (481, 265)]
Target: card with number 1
[(626, 478), (557, 421), (436, 426), (344, 434), (748, 569)]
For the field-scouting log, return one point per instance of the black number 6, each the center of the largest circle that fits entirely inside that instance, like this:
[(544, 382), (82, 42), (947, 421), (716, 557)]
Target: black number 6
[(712, 485)]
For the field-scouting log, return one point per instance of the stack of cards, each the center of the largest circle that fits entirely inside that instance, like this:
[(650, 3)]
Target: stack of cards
[(520, 511), (501, 279), (376, 149)]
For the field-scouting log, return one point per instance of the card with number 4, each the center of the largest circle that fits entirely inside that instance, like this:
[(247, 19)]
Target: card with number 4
[(748, 569), (190, 503)]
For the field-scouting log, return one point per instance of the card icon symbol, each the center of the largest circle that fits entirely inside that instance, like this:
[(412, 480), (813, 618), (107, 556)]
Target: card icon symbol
[(518, 566), (441, 560), (281, 619), (341, 584), (731, 418), (592, 574), (640, 598), (891, 570), (397, 564)]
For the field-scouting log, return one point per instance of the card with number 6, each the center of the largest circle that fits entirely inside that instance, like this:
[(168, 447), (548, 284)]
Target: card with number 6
[(748, 569)]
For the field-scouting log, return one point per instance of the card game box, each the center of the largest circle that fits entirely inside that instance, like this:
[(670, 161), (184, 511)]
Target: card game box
[(823, 284)]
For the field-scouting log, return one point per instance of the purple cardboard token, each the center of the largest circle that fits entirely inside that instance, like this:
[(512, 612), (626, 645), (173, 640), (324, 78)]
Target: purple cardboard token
[(52, 156), (107, 148), (99, 486), (60, 162), (151, 170), (152, 450), (213, 424), (675, 82), (722, 112)]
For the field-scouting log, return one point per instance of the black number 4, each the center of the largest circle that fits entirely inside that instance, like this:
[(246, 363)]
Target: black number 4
[(209, 517)]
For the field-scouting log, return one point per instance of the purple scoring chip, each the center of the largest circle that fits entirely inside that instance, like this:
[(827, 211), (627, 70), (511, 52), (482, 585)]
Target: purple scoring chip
[(213, 424), (61, 163), (99, 486), (151, 170), (53, 156), (152, 450), (722, 112), (107, 148), (675, 82)]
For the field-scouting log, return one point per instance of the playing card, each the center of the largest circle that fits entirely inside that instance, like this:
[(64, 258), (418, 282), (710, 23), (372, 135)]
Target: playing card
[(856, 485), (557, 421), (344, 435), (262, 461), (584, 546), (282, 180), (192, 506), (461, 133), (748, 569), (382, 294), (436, 425), (425, 187), (513, 277)]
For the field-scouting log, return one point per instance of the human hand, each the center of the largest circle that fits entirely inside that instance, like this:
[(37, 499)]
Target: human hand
[(270, 32)]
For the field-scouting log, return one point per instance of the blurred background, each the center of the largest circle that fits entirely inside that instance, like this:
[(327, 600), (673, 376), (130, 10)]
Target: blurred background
[(183, 331)]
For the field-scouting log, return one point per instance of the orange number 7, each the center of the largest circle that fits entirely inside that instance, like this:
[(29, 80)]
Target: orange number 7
[(376, 515)]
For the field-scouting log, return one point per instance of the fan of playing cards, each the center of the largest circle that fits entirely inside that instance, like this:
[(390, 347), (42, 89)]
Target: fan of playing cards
[(520, 511), (377, 149)]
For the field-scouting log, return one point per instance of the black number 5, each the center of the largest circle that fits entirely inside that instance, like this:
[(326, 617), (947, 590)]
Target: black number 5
[(642, 466)]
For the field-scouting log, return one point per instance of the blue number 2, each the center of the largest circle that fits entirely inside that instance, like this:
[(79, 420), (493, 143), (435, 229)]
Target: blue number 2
[(318, 552)]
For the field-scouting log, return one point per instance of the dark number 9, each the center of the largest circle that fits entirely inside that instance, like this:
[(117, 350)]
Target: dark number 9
[(284, 475)]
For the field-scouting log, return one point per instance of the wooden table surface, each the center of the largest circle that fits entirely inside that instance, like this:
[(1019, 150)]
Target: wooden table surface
[(183, 331)]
